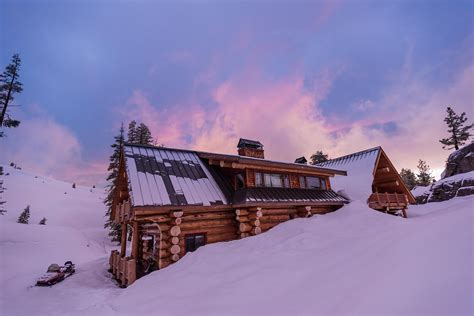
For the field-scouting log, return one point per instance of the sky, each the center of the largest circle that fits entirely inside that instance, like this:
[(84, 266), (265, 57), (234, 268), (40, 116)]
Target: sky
[(339, 76)]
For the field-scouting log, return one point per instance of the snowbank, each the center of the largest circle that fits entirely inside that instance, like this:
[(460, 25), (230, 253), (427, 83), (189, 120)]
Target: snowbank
[(351, 262)]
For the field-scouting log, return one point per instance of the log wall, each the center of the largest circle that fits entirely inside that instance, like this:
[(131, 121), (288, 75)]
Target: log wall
[(169, 230)]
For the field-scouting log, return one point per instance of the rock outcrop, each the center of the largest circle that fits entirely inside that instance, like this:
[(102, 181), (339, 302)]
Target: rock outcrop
[(460, 161), (457, 179)]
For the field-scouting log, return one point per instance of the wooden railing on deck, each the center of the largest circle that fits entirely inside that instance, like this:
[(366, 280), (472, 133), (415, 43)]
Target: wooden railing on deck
[(123, 212), (124, 269), (388, 201)]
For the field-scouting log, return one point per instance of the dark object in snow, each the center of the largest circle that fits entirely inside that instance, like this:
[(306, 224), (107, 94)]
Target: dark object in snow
[(43, 221), (73, 185), (56, 273)]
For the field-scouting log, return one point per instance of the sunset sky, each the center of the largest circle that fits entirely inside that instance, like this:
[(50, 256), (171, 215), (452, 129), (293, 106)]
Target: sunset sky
[(340, 76)]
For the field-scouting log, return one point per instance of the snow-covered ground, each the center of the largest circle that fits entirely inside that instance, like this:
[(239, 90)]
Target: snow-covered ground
[(352, 262)]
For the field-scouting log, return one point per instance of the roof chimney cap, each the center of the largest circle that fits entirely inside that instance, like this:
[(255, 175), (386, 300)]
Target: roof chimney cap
[(301, 160), (248, 143)]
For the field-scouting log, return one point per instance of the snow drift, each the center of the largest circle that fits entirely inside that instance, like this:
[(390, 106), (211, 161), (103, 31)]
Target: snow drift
[(353, 261)]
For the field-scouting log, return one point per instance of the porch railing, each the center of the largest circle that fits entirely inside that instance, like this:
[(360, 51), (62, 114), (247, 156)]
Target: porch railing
[(388, 201), (124, 269)]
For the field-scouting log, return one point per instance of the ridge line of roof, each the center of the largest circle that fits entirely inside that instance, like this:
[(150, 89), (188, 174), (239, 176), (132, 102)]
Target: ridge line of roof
[(197, 152), (350, 155)]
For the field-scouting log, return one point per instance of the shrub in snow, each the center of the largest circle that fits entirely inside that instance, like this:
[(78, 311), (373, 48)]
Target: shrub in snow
[(73, 185), (24, 216), (42, 221)]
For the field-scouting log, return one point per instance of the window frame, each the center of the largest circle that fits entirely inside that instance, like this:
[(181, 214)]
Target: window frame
[(204, 234), (264, 179), (304, 182)]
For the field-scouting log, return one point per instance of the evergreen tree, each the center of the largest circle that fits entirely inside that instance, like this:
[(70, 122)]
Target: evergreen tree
[(408, 177), (139, 134), (318, 157), (24, 216), (144, 135), (459, 133), (2, 189), (42, 221), (132, 132), (9, 86), (423, 177), (112, 178)]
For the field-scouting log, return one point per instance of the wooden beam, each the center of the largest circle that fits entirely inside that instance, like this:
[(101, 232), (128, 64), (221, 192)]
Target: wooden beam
[(135, 241), (383, 169), (387, 183), (123, 241)]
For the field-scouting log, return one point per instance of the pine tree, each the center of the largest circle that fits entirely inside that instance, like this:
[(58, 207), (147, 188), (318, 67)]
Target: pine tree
[(132, 132), (318, 157), (459, 133), (144, 135), (408, 177), (112, 178), (2, 189), (9, 86), (24, 216), (423, 177), (42, 221)]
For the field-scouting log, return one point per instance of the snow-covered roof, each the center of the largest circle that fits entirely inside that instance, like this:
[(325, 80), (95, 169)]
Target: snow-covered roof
[(161, 176), (360, 173)]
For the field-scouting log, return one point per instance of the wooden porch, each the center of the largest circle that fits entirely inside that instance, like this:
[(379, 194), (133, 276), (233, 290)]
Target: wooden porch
[(124, 269), (389, 202)]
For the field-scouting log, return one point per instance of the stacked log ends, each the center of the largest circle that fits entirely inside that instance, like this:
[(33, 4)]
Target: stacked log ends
[(174, 240), (244, 227), (175, 249), (175, 231), (175, 257)]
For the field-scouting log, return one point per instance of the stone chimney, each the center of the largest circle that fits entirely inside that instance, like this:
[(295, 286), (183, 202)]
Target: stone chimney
[(250, 148)]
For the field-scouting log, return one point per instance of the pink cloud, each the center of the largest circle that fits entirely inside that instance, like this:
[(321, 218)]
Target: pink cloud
[(43, 146), (285, 116)]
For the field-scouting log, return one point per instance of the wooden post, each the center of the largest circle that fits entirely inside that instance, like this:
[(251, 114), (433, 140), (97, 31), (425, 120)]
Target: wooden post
[(404, 212), (123, 242), (135, 241)]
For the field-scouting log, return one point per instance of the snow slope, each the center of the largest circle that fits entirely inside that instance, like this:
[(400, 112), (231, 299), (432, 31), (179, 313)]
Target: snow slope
[(73, 231), (351, 262)]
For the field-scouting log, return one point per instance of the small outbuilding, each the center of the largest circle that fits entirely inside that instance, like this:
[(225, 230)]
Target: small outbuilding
[(371, 176)]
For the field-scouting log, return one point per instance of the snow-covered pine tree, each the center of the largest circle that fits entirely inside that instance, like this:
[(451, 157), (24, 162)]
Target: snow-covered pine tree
[(24, 216), (318, 157), (113, 169), (423, 177), (459, 133), (9, 85), (2, 189), (42, 221), (408, 177)]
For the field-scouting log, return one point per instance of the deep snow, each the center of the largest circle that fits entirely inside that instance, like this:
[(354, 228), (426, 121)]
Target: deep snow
[(353, 261)]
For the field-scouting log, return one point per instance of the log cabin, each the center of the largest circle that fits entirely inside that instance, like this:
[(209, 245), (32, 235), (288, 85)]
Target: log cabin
[(172, 201), (372, 176)]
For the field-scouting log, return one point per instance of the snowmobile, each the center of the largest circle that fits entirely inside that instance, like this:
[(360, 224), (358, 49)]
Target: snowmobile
[(56, 273)]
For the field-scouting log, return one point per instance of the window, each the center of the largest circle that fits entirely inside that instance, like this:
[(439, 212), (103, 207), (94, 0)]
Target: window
[(312, 183), (194, 241), (273, 180)]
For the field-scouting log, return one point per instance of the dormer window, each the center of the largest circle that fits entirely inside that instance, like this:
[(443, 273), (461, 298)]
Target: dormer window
[(272, 180), (312, 183)]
